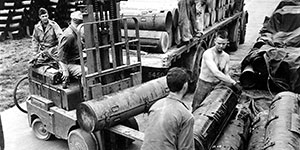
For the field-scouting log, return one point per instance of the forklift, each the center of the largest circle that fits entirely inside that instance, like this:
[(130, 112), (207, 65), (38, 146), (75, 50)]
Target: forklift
[(51, 108)]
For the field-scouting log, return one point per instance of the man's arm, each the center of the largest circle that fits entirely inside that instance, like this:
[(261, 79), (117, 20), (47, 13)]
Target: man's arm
[(58, 31), (212, 66), (186, 136), (64, 69), (62, 58), (35, 43)]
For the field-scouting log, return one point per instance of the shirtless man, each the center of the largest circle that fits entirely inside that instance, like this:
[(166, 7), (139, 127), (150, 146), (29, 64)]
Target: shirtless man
[(214, 69)]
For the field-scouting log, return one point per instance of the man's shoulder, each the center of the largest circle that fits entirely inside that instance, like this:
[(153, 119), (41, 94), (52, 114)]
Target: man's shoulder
[(208, 52), (225, 55), (68, 31), (38, 25), (53, 23)]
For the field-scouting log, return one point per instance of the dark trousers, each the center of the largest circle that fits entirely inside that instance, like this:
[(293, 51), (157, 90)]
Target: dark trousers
[(202, 90)]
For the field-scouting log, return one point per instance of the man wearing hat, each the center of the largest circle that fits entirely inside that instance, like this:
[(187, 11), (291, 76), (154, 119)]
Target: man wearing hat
[(170, 121), (68, 49), (46, 35)]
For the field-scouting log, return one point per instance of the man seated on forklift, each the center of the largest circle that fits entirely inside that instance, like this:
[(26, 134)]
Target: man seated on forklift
[(171, 122), (68, 50), (214, 69)]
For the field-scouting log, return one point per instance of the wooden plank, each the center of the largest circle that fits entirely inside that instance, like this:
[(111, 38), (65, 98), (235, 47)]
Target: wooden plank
[(128, 132)]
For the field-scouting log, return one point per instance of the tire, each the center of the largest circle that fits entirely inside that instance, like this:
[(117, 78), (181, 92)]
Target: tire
[(234, 36), (193, 64), (16, 100), (243, 27), (39, 130), (243, 35), (79, 139), (212, 40)]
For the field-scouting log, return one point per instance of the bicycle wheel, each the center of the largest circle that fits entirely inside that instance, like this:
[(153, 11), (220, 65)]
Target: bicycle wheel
[(21, 85)]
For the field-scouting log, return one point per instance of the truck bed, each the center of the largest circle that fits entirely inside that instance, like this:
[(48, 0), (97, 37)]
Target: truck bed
[(164, 60)]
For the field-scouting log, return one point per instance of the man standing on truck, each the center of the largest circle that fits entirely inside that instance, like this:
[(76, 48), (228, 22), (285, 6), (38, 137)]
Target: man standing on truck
[(45, 37), (68, 50), (214, 69), (187, 23), (171, 122)]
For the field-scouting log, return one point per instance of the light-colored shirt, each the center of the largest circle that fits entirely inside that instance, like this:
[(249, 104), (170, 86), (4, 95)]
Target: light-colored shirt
[(214, 67), (45, 39), (170, 127)]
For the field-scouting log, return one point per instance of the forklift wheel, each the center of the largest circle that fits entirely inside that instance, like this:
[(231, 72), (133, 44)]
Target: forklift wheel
[(39, 130), (80, 139)]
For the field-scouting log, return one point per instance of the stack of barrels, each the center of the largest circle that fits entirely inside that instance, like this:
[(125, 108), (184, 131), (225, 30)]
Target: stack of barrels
[(216, 11), (11, 18), (18, 17), (157, 22)]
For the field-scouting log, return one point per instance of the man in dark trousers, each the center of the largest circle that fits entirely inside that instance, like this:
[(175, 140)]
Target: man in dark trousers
[(214, 69), (187, 20), (171, 123)]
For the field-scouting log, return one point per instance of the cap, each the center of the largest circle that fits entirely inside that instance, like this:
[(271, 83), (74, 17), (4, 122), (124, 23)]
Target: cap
[(76, 15), (42, 11)]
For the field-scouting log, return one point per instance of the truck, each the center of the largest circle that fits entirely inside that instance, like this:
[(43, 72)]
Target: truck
[(97, 111)]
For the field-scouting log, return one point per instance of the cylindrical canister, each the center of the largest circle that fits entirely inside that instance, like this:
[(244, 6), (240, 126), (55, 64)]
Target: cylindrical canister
[(234, 135), (283, 125), (256, 141), (111, 109), (213, 115), (152, 41), (158, 21), (248, 77)]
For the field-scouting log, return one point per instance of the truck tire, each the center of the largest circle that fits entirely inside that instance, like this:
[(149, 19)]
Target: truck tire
[(39, 130), (234, 36), (80, 139), (242, 34), (193, 63), (243, 27)]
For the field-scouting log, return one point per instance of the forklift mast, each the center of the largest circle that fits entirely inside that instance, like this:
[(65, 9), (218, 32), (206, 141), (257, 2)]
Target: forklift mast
[(109, 65)]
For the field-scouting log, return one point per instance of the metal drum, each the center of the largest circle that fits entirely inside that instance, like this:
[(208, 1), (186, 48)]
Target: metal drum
[(256, 141), (213, 115), (151, 41), (237, 130), (112, 109), (248, 77), (283, 125), (157, 21)]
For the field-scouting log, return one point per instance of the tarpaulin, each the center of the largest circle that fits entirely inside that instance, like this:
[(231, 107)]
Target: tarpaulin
[(275, 69)]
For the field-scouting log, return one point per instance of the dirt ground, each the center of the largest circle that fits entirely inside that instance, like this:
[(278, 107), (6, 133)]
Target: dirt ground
[(14, 57)]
